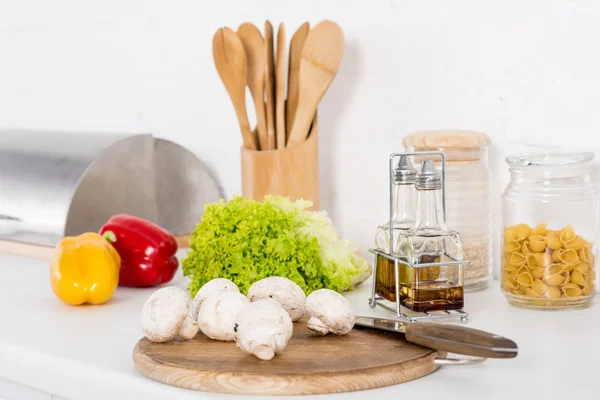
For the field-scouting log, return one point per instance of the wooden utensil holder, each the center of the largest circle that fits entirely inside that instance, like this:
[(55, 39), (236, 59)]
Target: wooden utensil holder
[(292, 171)]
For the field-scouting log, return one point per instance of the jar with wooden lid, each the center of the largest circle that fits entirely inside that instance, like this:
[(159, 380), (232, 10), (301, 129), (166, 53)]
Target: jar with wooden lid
[(550, 212), (467, 195)]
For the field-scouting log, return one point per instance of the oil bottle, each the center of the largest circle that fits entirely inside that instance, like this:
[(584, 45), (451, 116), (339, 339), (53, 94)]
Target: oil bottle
[(430, 241), (403, 219)]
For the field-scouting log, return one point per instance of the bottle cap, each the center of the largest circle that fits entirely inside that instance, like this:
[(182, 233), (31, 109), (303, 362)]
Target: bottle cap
[(405, 172), (428, 177)]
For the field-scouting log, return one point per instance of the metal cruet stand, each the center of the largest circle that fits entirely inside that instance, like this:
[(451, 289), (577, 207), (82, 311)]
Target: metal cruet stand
[(376, 300)]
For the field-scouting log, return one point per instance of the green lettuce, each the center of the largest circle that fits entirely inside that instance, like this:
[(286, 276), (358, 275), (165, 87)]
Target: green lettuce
[(245, 240)]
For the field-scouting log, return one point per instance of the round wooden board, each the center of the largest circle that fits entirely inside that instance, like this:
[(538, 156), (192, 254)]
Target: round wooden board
[(310, 364)]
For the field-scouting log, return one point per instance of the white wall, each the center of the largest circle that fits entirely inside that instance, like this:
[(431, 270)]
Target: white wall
[(525, 72)]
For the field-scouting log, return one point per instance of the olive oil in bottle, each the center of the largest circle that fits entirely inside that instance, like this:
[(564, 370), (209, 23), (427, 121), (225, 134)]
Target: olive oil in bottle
[(403, 219), (430, 241)]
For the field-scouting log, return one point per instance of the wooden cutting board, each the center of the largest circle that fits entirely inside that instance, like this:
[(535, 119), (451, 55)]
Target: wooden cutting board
[(310, 364)]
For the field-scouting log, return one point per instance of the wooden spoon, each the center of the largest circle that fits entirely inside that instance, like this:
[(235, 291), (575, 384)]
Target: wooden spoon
[(280, 87), (254, 47), (321, 58), (230, 60), (296, 45), (269, 85)]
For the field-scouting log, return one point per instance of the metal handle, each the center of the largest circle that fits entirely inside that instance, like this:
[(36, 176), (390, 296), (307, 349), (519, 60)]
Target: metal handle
[(459, 361)]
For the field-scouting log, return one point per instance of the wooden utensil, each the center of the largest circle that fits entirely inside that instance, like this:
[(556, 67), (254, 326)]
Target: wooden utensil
[(230, 61), (451, 338), (254, 47), (310, 364), (296, 46), (321, 57), (270, 86), (280, 87)]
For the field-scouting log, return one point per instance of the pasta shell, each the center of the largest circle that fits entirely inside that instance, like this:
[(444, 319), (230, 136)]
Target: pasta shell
[(586, 254), (538, 245), (539, 287), (510, 267), (537, 273), (509, 285), (588, 289), (553, 293), (572, 290), (517, 258), (575, 244), (525, 279), (567, 234), (578, 278), (531, 261), (539, 230), (509, 235), (552, 278), (553, 240), (583, 268), (543, 259), (531, 293), (569, 257), (512, 246), (555, 269), (556, 255), (521, 231), (525, 248)]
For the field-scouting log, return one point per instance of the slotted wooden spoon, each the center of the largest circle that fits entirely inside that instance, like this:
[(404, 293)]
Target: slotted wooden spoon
[(296, 46), (254, 47), (321, 58), (230, 61)]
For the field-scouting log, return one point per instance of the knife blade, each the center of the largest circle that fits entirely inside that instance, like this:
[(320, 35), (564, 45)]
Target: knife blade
[(445, 337)]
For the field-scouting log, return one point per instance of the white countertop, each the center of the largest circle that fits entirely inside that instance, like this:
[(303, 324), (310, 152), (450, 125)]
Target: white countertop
[(86, 352)]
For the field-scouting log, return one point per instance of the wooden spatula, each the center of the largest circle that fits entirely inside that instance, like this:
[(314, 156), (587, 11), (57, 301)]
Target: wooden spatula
[(230, 61), (254, 47), (270, 85), (321, 58), (280, 88), (296, 46)]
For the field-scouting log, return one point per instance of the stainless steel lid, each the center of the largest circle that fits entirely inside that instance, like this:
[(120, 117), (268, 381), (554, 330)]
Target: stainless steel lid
[(428, 177), (405, 172)]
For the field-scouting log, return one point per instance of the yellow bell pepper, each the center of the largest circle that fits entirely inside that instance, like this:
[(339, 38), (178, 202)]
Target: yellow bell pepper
[(85, 269)]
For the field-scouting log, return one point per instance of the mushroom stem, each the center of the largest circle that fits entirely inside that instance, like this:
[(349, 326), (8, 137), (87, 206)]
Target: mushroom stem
[(316, 325), (189, 329), (264, 352)]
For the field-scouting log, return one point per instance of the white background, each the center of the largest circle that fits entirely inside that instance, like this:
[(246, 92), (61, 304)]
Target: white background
[(524, 72)]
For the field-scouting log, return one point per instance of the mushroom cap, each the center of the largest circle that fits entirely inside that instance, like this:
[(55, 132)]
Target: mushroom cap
[(333, 311), (209, 288), (217, 314), (164, 312), (287, 292), (263, 328)]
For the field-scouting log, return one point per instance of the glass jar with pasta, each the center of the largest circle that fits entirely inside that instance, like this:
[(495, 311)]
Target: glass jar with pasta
[(550, 212)]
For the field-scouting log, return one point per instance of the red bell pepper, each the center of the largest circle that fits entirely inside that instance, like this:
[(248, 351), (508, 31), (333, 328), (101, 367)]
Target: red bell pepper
[(147, 251)]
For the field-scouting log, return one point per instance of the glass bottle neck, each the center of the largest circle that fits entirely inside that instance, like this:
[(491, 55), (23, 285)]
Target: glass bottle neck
[(403, 206), (430, 214)]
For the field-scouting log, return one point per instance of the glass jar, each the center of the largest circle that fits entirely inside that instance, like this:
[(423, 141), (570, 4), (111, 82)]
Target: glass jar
[(550, 212), (467, 195)]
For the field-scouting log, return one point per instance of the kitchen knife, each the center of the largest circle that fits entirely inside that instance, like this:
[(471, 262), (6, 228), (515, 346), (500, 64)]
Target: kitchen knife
[(447, 338)]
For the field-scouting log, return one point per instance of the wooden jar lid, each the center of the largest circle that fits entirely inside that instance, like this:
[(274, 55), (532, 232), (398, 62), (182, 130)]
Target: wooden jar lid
[(459, 145)]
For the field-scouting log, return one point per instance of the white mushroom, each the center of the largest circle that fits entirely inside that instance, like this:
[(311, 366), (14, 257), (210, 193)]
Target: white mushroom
[(287, 292), (209, 288), (217, 314), (263, 328), (166, 314), (329, 312)]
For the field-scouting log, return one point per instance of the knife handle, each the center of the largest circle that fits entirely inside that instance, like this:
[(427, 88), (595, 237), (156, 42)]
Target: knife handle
[(460, 340)]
